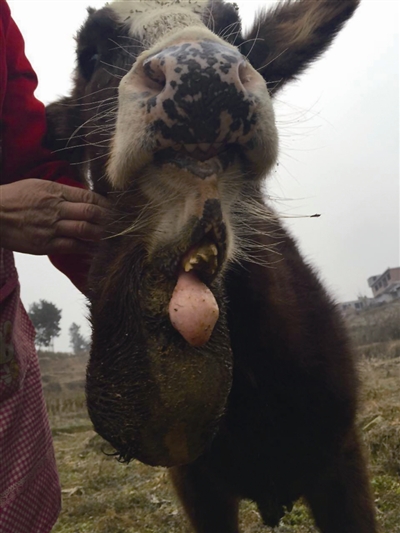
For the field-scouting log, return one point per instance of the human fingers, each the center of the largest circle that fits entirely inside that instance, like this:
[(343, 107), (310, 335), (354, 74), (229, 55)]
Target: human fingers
[(83, 211), (79, 229), (85, 196)]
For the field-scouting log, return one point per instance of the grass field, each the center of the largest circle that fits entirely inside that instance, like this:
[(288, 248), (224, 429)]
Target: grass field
[(101, 495)]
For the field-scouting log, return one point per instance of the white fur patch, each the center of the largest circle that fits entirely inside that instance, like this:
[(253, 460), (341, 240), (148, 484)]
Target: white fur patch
[(151, 20)]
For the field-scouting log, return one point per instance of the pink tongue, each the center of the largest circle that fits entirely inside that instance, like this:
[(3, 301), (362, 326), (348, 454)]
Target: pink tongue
[(193, 310)]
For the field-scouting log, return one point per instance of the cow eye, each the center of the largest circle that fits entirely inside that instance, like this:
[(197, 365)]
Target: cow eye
[(88, 59)]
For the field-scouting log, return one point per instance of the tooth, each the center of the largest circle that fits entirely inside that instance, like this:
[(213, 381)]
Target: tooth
[(207, 254), (207, 250), (204, 146), (190, 147)]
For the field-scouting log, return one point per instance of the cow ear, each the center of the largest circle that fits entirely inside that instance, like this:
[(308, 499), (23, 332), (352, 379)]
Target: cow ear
[(62, 134), (286, 39)]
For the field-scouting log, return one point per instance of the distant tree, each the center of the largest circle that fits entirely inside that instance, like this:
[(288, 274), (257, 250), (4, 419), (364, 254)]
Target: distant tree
[(46, 319), (77, 341)]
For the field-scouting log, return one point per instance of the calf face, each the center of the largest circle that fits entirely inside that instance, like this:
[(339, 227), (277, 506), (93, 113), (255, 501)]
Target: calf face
[(207, 349), (178, 125)]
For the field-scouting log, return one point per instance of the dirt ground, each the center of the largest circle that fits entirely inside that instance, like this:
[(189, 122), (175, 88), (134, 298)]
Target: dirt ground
[(101, 495)]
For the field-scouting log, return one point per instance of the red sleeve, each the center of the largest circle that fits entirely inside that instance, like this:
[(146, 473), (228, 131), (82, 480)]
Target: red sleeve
[(23, 126)]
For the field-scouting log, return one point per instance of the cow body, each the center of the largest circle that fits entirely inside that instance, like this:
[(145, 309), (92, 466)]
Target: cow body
[(172, 112)]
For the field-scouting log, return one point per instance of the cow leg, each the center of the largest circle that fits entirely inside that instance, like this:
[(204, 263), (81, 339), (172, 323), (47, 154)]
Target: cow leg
[(208, 506), (341, 499)]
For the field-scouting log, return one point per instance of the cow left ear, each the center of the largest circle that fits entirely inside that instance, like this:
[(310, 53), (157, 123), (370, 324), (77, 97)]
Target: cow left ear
[(223, 20), (286, 39)]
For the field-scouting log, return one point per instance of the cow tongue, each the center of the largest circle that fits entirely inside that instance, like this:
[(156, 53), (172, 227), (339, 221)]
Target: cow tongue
[(193, 310)]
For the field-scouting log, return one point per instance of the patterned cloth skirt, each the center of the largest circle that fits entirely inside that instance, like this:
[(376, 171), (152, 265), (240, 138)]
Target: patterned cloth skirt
[(30, 496)]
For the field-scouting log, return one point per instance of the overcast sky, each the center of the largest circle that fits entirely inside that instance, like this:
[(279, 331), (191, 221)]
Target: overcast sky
[(339, 127)]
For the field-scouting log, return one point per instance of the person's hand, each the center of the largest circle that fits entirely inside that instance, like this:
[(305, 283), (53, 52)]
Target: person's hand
[(42, 217)]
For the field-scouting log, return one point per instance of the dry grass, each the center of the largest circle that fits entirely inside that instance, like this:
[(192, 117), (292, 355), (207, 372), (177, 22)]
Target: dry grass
[(102, 496), (375, 324), (380, 425)]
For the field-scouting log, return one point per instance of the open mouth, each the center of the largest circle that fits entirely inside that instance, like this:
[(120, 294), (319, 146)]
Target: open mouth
[(193, 262), (193, 309)]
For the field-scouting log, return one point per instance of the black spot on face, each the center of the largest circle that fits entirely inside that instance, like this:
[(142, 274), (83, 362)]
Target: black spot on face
[(203, 95), (151, 102)]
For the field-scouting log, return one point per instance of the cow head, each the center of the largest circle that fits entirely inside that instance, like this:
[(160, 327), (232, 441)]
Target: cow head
[(171, 115)]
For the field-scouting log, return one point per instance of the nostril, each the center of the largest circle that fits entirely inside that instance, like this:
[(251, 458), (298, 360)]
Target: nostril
[(154, 76)]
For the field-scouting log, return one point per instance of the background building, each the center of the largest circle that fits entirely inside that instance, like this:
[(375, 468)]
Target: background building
[(386, 287)]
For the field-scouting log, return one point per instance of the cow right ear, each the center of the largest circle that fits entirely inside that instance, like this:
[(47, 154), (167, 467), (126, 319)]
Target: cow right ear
[(289, 37), (63, 135)]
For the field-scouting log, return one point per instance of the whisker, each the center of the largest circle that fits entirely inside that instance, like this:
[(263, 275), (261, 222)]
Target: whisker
[(92, 102), (91, 119), (113, 75), (123, 49), (114, 66), (210, 19), (90, 160), (84, 145), (143, 43), (254, 41), (225, 30), (273, 59)]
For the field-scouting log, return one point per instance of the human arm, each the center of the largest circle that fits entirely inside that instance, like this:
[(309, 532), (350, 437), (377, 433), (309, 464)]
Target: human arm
[(28, 204), (41, 217)]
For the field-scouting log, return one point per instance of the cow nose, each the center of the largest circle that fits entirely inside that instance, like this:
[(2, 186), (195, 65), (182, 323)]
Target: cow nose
[(200, 92)]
